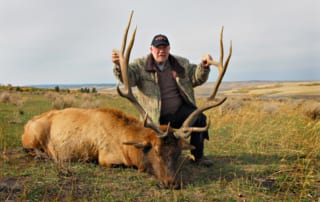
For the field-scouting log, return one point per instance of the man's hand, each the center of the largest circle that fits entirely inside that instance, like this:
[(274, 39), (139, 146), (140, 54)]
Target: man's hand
[(204, 61), (115, 57)]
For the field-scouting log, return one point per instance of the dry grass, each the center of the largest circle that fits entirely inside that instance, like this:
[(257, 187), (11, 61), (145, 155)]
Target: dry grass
[(11, 98), (312, 110), (263, 150), (278, 149), (279, 89), (66, 100)]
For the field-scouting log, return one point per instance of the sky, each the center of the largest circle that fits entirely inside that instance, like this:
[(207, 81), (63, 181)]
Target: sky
[(70, 41)]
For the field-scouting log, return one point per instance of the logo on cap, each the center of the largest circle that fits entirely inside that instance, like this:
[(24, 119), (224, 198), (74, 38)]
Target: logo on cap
[(160, 40)]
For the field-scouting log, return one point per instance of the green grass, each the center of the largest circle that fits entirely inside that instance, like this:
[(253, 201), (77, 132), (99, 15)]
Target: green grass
[(258, 156)]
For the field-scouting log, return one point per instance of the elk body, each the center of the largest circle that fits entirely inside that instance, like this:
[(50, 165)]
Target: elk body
[(107, 136), (111, 137)]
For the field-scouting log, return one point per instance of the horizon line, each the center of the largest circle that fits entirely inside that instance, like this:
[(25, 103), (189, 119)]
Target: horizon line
[(115, 83)]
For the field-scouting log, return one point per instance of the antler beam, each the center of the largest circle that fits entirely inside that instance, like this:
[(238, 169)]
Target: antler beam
[(186, 128), (124, 56), (221, 67)]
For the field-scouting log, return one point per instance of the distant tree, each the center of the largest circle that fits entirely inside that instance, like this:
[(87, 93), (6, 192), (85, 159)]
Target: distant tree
[(85, 90), (94, 90), (10, 87), (57, 89)]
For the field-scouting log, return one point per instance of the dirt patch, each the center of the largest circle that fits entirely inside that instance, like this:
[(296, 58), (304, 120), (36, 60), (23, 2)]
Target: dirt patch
[(10, 185)]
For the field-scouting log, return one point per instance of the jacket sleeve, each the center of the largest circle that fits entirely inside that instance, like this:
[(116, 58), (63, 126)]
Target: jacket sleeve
[(133, 72), (199, 75), (117, 72), (196, 73)]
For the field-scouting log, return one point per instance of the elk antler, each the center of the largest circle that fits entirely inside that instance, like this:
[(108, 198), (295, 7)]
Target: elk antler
[(221, 67), (124, 56), (185, 130)]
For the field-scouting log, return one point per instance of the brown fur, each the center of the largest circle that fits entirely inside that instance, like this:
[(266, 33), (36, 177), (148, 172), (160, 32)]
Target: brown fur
[(105, 135)]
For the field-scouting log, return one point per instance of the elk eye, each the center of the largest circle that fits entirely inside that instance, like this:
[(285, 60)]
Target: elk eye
[(146, 148)]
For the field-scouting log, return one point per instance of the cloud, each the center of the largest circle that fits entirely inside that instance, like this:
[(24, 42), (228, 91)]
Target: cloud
[(59, 41)]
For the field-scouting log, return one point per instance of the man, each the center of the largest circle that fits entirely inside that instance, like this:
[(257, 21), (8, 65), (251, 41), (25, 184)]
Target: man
[(165, 88)]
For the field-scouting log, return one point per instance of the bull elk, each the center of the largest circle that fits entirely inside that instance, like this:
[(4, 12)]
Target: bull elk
[(111, 137)]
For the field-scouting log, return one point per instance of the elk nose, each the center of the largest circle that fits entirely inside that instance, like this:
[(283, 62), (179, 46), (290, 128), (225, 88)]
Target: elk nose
[(169, 184)]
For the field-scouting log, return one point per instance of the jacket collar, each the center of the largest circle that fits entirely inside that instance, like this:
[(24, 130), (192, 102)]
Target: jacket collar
[(173, 62)]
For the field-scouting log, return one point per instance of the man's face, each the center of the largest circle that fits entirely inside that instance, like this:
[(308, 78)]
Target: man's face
[(160, 53)]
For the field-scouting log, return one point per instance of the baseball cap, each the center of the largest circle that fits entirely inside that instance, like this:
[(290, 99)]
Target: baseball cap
[(160, 39)]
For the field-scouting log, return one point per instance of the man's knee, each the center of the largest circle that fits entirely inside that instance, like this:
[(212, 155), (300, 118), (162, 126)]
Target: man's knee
[(201, 121)]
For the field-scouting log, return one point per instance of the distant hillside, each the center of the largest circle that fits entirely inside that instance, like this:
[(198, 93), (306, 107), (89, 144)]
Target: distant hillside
[(271, 89), (74, 86)]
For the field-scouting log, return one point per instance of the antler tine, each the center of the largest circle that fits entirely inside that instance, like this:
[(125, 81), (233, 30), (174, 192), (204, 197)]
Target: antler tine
[(124, 56), (221, 67), (125, 36), (128, 52), (186, 129)]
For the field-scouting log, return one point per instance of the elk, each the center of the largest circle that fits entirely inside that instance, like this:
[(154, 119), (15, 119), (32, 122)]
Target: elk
[(111, 137)]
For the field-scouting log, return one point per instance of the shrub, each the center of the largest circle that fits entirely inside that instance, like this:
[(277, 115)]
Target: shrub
[(312, 111), (63, 101), (231, 106), (89, 101), (11, 98), (5, 97), (270, 108)]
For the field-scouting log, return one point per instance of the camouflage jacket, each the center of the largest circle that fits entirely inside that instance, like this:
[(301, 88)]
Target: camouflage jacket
[(142, 73)]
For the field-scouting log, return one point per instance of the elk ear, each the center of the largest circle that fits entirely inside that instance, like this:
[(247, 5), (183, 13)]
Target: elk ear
[(186, 146), (139, 145)]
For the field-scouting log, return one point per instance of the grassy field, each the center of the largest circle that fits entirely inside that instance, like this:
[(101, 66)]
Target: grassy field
[(263, 149)]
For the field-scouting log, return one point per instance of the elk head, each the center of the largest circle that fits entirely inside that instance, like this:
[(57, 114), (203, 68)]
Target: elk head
[(162, 152)]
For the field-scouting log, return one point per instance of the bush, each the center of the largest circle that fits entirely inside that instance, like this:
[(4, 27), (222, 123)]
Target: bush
[(5, 97), (312, 111), (231, 106), (63, 101), (11, 98), (270, 108)]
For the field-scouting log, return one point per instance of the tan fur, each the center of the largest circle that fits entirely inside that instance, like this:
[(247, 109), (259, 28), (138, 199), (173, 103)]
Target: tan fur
[(84, 134), (99, 134)]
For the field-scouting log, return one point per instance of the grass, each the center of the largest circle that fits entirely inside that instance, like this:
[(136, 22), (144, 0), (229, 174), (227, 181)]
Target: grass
[(274, 89), (259, 155)]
